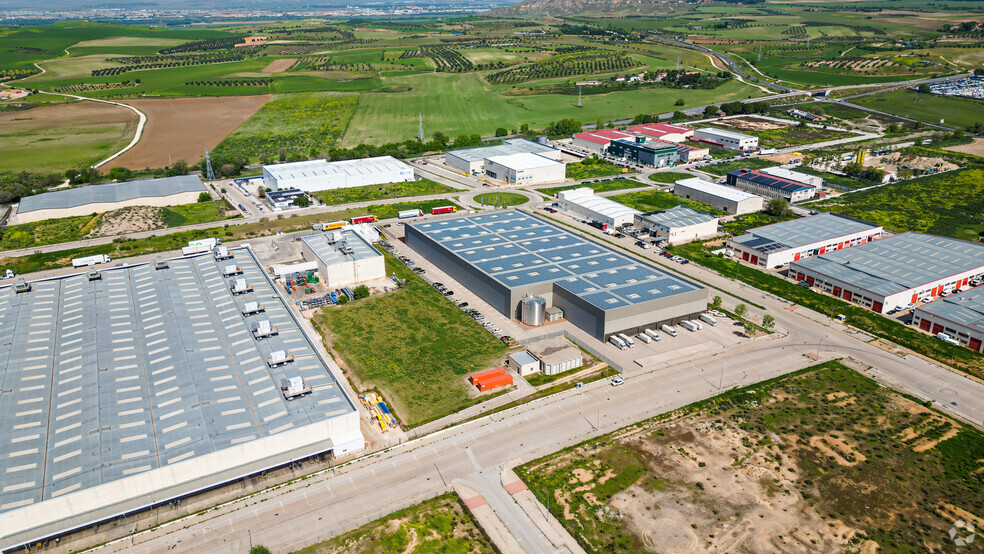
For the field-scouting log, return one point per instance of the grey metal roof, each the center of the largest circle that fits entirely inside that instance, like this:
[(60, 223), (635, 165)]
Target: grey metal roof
[(714, 189), (587, 199), (523, 358), (898, 263), (342, 245), (800, 232), (142, 369), (725, 133), (284, 195), (111, 192), (507, 148), (356, 167), (518, 250), (677, 216), (965, 308)]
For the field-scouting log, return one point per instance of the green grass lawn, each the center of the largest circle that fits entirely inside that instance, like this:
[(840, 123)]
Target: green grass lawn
[(441, 524), (650, 201), (842, 181), (592, 168), (668, 177), (423, 187), (603, 186), (926, 107), (412, 344), (949, 204), (724, 168), (501, 199), (202, 212)]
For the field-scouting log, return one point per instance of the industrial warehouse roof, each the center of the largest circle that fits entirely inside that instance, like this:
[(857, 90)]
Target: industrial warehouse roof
[(522, 161), (660, 129), (726, 133), (604, 136), (518, 250), (898, 263), (110, 193), (523, 358), (678, 216), (508, 147), (825, 227), (142, 369), (719, 191), (965, 308), (770, 181), (587, 199), (789, 174), (315, 168), (338, 246)]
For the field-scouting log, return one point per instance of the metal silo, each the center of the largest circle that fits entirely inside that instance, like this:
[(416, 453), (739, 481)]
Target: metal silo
[(532, 310)]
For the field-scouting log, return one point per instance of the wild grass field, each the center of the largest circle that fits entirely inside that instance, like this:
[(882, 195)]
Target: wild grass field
[(824, 459), (501, 199), (412, 344), (724, 168), (423, 187), (650, 201), (602, 186), (927, 107), (591, 168)]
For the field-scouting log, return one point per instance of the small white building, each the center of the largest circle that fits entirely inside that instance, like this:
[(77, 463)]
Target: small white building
[(585, 203), (524, 363), (473, 161), (315, 175), (790, 175), (557, 356), (725, 198), (526, 169), (344, 257), (729, 140), (678, 225)]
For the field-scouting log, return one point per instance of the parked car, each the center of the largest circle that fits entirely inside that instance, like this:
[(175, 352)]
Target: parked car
[(616, 381)]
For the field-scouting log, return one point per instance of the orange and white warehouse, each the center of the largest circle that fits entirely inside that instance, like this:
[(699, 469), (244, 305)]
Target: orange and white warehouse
[(782, 243), (961, 316), (894, 272)]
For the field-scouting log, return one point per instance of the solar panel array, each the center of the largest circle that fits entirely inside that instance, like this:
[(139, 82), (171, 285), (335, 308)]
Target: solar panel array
[(140, 369), (825, 227), (767, 180), (519, 250)]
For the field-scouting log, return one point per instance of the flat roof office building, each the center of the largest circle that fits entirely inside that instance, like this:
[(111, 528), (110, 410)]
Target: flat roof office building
[(729, 140), (663, 131), (961, 316), (894, 271), (770, 186), (525, 169), (651, 153), (344, 257), (797, 176), (146, 385), (502, 256), (781, 243), (678, 225), (729, 199), (472, 161), (315, 175), (585, 203), (284, 198)]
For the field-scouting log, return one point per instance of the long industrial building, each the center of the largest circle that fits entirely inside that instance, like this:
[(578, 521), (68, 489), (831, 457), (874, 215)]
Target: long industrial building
[(91, 199), (729, 199), (797, 176), (585, 203), (961, 316), (781, 243), (472, 161), (729, 140), (525, 168), (770, 186), (502, 256), (315, 175), (138, 385), (679, 225), (894, 271), (344, 257), (598, 141), (663, 131)]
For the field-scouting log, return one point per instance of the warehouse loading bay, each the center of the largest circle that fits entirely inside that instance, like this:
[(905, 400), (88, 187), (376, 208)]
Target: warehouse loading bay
[(640, 357)]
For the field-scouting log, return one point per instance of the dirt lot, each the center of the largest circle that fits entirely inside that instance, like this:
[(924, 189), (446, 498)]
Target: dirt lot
[(277, 66), (128, 220), (64, 115), (750, 124), (892, 162), (182, 128), (975, 148)]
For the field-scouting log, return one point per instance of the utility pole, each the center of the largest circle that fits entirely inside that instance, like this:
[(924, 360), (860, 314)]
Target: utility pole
[(209, 173), (420, 126), (579, 89)]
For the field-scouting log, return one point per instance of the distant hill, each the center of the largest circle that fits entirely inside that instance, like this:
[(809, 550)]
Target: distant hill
[(567, 7)]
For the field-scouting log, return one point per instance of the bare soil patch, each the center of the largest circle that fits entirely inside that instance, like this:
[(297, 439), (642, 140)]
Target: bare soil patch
[(128, 220), (61, 115), (278, 66), (182, 128), (975, 148), (751, 124)]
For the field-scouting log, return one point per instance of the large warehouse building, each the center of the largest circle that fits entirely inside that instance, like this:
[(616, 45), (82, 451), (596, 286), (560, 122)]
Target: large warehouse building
[(651, 153), (585, 203), (315, 175), (472, 161), (770, 186), (525, 168), (782, 243), (146, 385), (598, 141), (894, 271), (797, 176), (679, 225), (663, 131), (961, 316), (344, 257), (729, 140), (169, 191), (729, 199), (502, 256)]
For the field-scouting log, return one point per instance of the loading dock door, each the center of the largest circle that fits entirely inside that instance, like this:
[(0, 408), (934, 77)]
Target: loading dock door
[(837, 291), (924, 325), (744, 256), (754, 260), (974, 344), (877, 306), (846, 295), (936, 328)]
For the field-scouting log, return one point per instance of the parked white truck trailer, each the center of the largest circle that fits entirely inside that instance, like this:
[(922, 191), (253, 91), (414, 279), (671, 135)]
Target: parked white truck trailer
[(617, 342), (91, 260), (688, 325), (669, 330), (627, 340), (708, 319), (652, 334), (409, 213), (644, 338)]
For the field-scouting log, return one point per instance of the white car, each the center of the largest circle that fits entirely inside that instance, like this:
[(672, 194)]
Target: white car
[(616, 381)]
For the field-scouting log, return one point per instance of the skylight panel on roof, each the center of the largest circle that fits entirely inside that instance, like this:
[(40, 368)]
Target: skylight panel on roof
[(611, 300)]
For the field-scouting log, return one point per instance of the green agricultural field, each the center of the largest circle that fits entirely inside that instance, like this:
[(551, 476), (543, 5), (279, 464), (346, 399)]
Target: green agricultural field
[(668, 177), (602, 186), (295, 122), (927, 107), (724, 168), (501, 199), (795, 135), (412, 344), (441, 524), (651, 201), (188, 214), (592, 168), (422, 187), (949, 204), (859, 467), (29, 143)]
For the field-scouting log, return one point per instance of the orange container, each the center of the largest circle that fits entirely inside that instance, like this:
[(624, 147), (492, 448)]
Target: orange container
[(476, 378), (495, 382)]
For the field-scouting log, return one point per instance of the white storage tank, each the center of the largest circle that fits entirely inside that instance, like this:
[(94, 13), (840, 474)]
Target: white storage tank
[(533, 310)]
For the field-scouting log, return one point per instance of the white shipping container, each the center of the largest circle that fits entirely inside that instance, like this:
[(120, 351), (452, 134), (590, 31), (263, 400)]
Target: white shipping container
[(278, 356), (708, 319), (669, 330), (208, 243), (700, 326), (409, 213), (90, 260), (652, 334)]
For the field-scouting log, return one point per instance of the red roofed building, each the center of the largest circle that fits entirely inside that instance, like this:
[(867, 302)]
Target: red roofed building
[(597, 141), (663, 131)]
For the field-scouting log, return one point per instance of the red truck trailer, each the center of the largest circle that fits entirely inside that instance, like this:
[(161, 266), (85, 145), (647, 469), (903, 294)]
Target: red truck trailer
[(364, 219), (444, 210)]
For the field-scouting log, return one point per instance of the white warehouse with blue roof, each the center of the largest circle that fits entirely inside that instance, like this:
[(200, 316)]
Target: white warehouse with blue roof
[(505, 255)]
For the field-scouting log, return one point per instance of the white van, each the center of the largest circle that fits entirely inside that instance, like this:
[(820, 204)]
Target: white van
[(947, 338)]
